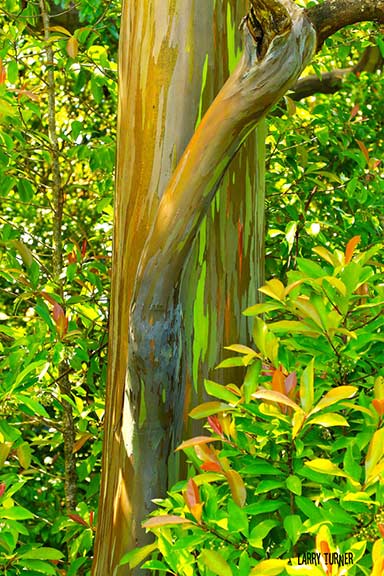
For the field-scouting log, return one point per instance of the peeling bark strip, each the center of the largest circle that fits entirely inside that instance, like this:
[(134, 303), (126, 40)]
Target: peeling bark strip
[(158, 217)]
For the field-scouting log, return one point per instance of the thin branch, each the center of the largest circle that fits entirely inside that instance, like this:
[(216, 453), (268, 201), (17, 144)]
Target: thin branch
[(331, 82)]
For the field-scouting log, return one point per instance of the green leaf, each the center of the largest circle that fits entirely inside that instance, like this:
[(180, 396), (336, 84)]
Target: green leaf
[(137, 555), (43, 554), (32, 404), (310, 268), (293, 527), (294, 484), (155, 565), (215, 562), (260, 531), (237, 518), (220, 392), (25, 190), (16, 513), (38, 566), (262, 308), (251, 380)]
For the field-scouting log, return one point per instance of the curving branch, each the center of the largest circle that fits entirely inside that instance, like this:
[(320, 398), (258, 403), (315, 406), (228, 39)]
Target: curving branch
[(330, 82), (332, 15)]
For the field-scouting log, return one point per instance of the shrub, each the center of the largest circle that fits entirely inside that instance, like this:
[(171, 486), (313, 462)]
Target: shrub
[(294, 459)]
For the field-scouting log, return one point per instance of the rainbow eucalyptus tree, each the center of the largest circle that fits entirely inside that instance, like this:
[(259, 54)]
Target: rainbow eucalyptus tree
[(188, 226)]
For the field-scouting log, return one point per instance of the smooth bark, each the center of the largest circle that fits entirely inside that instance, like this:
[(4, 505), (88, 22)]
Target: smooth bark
[(160, 206)]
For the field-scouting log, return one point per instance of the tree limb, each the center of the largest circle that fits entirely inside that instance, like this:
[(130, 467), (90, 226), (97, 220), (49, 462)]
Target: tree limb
[(330, 82), (332, 15)]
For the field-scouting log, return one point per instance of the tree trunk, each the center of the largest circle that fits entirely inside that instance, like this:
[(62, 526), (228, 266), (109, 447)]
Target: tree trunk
[(158, 105), (160, 207)]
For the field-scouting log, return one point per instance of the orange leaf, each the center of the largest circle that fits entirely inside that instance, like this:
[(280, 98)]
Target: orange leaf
[(378, 406), (278, 381), (60, 320), (354, 111), (3, 487), (381, 529), (196, 441), (214, 423), (236, 484), (350, 249), (3, 73), (192, 499), (211, 467), (168, 520), (364, 150), (72, 47), (80, 442), (191, 495), (78, 519)]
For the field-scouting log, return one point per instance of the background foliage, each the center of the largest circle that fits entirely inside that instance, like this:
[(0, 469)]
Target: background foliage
[(324, 185)]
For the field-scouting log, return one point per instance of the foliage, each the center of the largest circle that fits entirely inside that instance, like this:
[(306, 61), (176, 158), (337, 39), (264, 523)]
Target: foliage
[(53, 330), (324, 160), (295, 456)]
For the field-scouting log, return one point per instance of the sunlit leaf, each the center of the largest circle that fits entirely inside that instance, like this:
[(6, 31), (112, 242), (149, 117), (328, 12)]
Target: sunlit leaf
[(272, 396), (269, 568), (207, 409), (350, 248), (329, 419), (334, 396), (375, 452), (137, 555), (215, 562), (307, 386), (237, 486), (324, 466), (166, 520)]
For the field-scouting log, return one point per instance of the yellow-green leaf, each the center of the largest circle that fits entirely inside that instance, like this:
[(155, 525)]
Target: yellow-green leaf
[(330, 419), (269, 568), (241, 349), (137, 555), (215, 562), (207, 409), (324, 466), (24, 454), (297, 422), (375, 452), (306, 386), (273, 288), (326, 255), (334, 396)]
